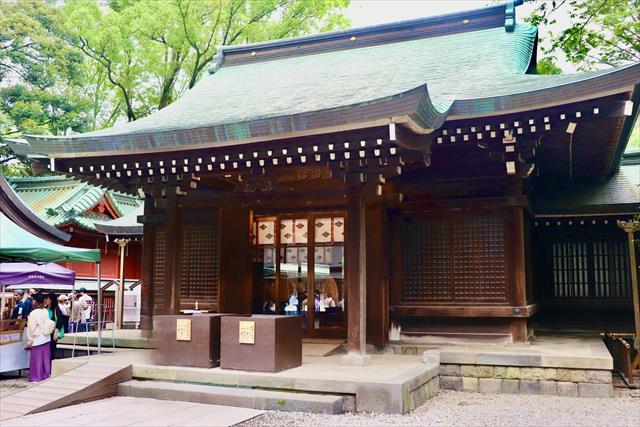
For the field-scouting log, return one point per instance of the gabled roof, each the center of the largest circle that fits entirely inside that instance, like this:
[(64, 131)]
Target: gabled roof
[(60, 200), (418, 74)]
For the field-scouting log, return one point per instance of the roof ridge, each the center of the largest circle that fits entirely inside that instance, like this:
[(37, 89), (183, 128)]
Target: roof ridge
[(459, 18), (40, 178)]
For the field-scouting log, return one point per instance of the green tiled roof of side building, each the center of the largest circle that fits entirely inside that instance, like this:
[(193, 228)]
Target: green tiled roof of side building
[(60, 200), (618, 194)]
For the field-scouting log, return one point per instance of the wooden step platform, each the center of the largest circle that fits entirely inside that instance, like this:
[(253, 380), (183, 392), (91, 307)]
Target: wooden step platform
[(87, 382), (235, 396)]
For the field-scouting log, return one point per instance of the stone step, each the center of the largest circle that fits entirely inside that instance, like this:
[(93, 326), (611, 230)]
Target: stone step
[(234, 396)]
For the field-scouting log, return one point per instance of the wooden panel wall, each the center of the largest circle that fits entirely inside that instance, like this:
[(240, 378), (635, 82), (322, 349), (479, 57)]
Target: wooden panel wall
[(452, 258), (200, 264), (157, 270)]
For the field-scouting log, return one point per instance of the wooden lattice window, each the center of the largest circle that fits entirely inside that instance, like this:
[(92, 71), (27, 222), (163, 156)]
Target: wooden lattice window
[(159, 255), (590, 270), (478, 253), (200, 270), (453, 258)]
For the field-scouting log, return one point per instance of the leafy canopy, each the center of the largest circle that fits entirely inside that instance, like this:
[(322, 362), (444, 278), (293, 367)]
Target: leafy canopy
[(152, 51), (601, 32), (40, 77), (75, 66)]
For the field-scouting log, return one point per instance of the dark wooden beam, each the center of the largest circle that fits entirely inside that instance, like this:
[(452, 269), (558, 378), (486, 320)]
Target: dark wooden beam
[(453, 310)]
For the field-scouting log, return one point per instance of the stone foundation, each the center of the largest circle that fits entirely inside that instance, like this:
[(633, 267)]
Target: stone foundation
[(526, 380), (424, 392)]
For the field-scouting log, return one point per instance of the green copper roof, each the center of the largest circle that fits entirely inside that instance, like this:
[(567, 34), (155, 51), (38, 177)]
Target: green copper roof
[(60, 200), (458, 66), (324, 83)]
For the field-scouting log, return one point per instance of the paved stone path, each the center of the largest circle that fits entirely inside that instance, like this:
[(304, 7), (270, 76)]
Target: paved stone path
[(130, 411), (451, 408)]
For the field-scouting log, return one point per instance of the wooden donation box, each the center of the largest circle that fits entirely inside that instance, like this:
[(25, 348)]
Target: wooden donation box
[(266, 343), (187, 340)]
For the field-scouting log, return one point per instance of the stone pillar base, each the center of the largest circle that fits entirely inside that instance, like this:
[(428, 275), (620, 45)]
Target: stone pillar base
[(354, 358)]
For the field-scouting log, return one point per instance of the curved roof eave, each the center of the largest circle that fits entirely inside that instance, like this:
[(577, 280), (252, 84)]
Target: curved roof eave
[(617, 80), (412, 108), (126, 225), (13, 207)]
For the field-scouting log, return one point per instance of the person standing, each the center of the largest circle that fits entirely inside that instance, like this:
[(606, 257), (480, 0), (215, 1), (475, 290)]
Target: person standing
[(77, 314), (39, 329), (27, 303), (18, 309), (87, 304), (51, 302), (65, 309)]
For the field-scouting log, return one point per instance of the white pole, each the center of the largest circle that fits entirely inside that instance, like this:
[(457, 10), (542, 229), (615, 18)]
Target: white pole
[(99, 311)]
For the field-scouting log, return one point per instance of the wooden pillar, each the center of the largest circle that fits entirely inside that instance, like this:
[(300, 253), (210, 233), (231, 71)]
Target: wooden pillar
[(629, 227), (377, 297), (518, 274), (172, 280), (356, 254), (146, 290), (235, 261), (122, 247)]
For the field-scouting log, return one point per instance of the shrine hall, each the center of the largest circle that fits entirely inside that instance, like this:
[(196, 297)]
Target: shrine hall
[(397, 182)]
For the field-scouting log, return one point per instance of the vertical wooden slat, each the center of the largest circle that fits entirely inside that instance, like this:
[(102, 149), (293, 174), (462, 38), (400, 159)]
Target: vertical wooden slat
[(200, 258), (158, 275), (311, 273), (591, 275)]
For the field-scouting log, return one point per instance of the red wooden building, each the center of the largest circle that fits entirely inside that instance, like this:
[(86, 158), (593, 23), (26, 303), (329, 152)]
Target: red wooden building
[(388, 174), (76, 207)]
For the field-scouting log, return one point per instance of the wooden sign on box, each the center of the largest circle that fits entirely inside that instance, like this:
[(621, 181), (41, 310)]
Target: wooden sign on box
[(247, 332), (183, 329)]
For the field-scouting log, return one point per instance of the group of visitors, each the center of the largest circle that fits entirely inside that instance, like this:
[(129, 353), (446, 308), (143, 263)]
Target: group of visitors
[(48, 317)]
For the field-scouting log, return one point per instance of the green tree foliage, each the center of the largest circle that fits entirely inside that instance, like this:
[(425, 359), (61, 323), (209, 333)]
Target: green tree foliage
[(40, 76), (151, 51), (78, 66), (548, 66), (601, 32)]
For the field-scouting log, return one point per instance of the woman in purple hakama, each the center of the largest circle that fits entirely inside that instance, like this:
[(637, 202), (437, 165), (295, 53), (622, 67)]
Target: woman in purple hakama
[(39, 329)]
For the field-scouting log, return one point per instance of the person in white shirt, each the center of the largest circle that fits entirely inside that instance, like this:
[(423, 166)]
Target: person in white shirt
[(39, 329), (87, 301)]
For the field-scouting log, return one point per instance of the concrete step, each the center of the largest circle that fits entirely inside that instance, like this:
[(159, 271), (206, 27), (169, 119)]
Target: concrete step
[(234, 396)]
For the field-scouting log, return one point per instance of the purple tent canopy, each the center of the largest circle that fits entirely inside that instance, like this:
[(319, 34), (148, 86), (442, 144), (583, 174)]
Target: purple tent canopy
[(23, 273)]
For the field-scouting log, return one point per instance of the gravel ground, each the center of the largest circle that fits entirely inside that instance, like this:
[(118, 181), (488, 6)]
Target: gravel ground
[(10, 383), (451, 408)]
